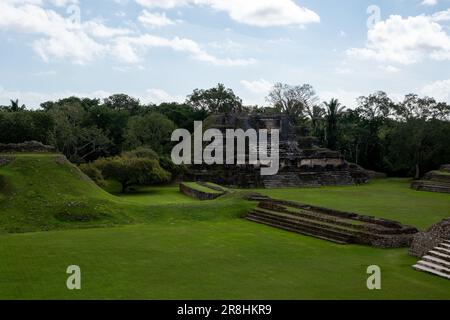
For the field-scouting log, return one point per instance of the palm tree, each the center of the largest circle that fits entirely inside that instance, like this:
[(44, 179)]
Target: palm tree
[(15, 106), (334, 110)]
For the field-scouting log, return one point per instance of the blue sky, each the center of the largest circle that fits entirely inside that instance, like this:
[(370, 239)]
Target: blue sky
[(161, 50)]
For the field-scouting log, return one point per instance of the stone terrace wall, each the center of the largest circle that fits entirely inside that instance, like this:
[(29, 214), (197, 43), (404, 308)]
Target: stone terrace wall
[(29, 146), (196, 194)]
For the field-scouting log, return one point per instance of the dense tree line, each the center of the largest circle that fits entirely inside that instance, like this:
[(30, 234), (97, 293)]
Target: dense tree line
[(403, 138), (406, 138)]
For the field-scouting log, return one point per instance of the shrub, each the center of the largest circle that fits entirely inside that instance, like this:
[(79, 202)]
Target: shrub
[(132, 170), (93, 172), (141, 152)]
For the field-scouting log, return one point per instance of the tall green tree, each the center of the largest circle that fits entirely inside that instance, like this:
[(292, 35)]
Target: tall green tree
[(216, 100), (123, 102), (334, 110), (153, 130)]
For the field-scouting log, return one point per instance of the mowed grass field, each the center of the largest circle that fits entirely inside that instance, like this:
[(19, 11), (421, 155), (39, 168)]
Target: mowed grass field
[(173, 247)]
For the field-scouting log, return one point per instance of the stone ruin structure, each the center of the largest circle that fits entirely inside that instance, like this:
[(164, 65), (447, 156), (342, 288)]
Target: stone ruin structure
[(331, 225), (29, 146), (302, 162), (425, 241), (434, 181), (433, 248)]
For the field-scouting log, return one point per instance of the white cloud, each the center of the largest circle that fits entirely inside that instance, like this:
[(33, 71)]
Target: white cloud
[(429, 2), (155, 20), (389, 69), (157, 96), (99, 30), (439, 90), (260, 13), (261, 86), (406, 40), (128, 49), (57, 37)]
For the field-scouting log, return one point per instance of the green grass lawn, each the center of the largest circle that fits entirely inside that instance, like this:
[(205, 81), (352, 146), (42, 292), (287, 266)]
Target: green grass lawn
[(159, 244), (232, 259)]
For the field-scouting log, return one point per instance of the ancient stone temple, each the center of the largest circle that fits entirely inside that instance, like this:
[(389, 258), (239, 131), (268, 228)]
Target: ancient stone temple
[(302, 162)]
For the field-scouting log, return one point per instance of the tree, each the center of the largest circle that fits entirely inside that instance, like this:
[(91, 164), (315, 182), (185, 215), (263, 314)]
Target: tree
[(333, 112), (317, 116), (215, 100), (112, 122), (78, 141), (123, 102), (415, 115), (131, 170), (22, 126), (295, 101), (182, 114), (13, 107), (153, 130), (374, 112)]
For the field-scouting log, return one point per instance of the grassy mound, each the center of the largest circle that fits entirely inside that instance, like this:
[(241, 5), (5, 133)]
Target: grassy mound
[(45, 191)]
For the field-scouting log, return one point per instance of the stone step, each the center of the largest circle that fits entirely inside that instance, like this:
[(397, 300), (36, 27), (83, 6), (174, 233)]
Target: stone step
[(445, 245), (305, 223), (431, 186), (341, 235), (304, 232), (320, 220), (357, 226), (430, 270), (436, 260), (442, 250), (435, 266), (439, 255)]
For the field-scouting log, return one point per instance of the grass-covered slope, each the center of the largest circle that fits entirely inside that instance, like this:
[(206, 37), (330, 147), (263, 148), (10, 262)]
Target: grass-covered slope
[(45, 191)]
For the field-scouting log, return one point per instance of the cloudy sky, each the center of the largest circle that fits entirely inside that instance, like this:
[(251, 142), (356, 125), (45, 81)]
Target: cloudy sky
[(160, 50)]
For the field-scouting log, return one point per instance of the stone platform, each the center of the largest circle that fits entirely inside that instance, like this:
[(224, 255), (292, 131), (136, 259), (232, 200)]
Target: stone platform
[(434, 181), (331, 225)]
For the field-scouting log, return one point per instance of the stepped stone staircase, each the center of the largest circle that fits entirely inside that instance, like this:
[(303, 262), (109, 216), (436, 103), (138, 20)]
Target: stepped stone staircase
[(434, 181), (283, 180), (308, 179), (436, 261), (335, 226)]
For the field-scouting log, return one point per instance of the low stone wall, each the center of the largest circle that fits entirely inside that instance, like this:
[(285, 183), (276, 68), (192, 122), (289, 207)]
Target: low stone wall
[(29, 146), (197, 194), (425, 241), (4, 160)]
